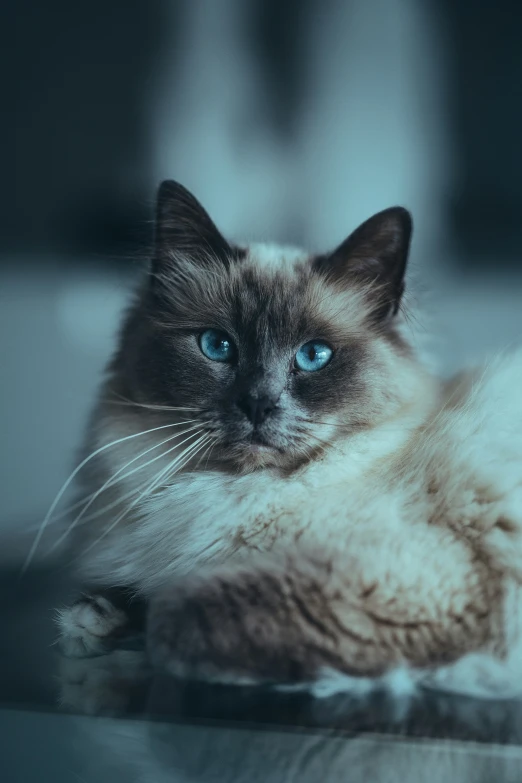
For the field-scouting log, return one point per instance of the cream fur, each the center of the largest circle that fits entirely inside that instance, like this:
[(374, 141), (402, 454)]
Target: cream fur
[(412, 502)]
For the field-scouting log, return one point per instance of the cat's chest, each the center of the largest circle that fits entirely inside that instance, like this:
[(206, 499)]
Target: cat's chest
[(243, 504), (212, 511)]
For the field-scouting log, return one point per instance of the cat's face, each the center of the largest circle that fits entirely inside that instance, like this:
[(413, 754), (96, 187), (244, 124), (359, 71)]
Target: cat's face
[(275, 351)]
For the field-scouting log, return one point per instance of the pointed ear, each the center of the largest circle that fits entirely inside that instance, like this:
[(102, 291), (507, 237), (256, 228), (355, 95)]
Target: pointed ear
[(375, 254), (184, 229)]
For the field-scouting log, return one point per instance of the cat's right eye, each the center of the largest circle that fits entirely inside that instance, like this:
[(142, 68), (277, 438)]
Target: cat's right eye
[(217, 346), (313, 356)]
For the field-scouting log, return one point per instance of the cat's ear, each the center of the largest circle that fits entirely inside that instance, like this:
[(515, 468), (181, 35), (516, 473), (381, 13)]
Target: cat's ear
[(184, 230), (375, 254)]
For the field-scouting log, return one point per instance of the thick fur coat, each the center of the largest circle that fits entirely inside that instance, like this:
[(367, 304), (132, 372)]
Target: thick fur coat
[(354, 524)]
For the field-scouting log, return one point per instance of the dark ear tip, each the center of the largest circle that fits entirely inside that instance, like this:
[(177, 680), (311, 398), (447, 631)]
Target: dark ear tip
[(399, 215), (404, 223), (168, 189)]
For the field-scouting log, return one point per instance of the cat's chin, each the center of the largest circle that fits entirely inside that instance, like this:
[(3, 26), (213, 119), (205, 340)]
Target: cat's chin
[(255, 456), (262, 451), (258, 455)]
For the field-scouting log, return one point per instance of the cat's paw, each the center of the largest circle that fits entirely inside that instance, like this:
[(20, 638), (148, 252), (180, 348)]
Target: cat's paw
[(103, 685), (91, 626), (478, 675)]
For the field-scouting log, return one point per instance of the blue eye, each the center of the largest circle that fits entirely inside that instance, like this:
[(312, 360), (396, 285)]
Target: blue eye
[(216, 346), (313, 356)]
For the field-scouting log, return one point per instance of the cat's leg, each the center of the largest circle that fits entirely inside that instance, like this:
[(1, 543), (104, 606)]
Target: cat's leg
[(300, 617), (225, 627), (270, 626), (97, 621)]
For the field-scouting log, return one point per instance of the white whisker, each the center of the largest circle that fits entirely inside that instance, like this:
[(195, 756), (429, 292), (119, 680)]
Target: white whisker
[(79, 503), (112, 480), (150, 407), (127, 495), (190, 454), (208, 451), (131, 403), (73, 475), (203, 440)]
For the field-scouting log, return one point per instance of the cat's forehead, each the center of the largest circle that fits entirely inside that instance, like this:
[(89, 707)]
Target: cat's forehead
[(269, 292), (274, 290), (273, 257)]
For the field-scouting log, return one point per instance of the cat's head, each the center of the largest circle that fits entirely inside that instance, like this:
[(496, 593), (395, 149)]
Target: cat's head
[(276, 352)]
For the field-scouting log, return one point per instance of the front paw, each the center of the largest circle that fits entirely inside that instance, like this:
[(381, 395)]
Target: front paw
[(91, 626)]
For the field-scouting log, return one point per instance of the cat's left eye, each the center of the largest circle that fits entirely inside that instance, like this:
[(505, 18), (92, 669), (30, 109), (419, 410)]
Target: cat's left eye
[(217, 346), (313, 356)]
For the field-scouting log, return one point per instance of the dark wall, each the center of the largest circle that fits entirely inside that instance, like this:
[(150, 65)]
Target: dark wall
[(75, 136), (77, 133), (485, 209)]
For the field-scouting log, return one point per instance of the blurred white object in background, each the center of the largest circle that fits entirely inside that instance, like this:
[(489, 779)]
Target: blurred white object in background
[(372, 131), (209, 132)]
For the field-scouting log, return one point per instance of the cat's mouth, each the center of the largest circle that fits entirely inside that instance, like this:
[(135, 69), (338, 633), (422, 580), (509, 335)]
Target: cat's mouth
[(258, 443), (255, 450)]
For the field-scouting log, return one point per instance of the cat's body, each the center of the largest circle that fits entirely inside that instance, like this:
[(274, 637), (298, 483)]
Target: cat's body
[(360, 517)]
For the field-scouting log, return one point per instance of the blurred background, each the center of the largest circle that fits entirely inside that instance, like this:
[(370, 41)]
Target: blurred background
[(291, 120)]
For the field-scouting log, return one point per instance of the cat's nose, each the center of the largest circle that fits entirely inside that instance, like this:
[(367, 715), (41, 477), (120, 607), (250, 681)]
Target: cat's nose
[(256, 409)]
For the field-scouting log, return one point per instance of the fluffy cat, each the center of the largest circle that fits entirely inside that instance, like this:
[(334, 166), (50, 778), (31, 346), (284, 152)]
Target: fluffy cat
[(297, 500)]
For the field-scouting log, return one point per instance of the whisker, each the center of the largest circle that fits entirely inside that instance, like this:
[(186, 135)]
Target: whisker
[(349, 426), (79, 503), (150, 407), (154, 484), (111, 481), (73, 475), (102, 511), (188, 457), (317, 421), (132, 403), (151, 486), (208, 452), (105, 509)]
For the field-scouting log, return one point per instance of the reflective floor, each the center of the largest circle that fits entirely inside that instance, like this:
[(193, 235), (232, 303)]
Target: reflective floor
[(111, 719)]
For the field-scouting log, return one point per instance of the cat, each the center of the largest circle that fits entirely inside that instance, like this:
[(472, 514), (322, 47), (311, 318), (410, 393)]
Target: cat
[(277, 485)]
